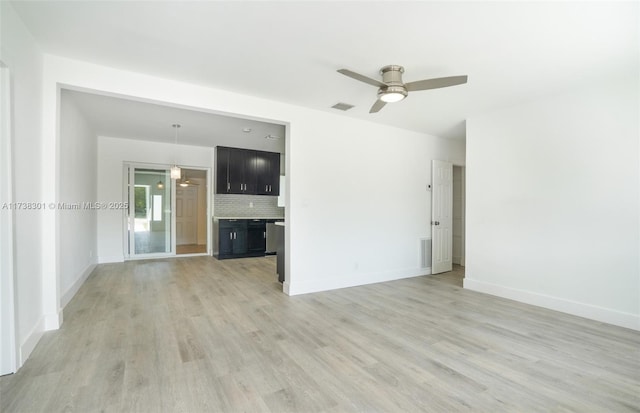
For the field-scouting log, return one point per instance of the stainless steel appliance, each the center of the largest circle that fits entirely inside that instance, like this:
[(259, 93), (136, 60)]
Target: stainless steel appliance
[(272, 240)]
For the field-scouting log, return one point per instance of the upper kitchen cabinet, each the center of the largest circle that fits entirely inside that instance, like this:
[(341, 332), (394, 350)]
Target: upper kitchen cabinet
[(223, 185), (245, 171), (268, 173), (235, 171)]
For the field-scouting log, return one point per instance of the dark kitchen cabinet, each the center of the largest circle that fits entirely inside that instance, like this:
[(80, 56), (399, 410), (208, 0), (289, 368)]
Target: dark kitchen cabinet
[(256, 236), (223, 185), (268, 173), (232, 238), (239, 238), (245, 171), (235, 171)]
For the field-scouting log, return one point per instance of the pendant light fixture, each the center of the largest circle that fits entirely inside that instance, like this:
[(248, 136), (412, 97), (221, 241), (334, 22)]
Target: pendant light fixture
[(175, 169)]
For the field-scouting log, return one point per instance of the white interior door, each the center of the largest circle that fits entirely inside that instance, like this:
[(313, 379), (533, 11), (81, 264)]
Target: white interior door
[(186, 216), (441, 216)]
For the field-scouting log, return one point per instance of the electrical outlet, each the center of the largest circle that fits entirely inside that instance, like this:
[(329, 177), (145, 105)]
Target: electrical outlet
[(250, 204)]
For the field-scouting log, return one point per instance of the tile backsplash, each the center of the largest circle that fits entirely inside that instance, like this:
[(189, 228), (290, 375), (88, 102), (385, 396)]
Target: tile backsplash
[(239, 206)]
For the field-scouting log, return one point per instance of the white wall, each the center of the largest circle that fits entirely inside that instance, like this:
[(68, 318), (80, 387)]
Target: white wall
[(552, 202), (112, 155), (19, 52), (78, 176), (359, 199), (357, 190)]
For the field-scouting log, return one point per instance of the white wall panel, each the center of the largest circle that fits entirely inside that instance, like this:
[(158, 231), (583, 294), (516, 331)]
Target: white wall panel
[(22, 56), (552, 202)]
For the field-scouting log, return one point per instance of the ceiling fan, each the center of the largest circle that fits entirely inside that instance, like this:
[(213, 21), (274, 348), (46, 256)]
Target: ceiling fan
[(392, 89), (186, 182)]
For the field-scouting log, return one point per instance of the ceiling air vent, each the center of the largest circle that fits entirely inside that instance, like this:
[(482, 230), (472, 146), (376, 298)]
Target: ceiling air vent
[(342, 106)]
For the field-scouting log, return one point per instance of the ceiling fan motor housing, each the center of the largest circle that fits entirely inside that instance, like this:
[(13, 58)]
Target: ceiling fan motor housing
[(392, 76)]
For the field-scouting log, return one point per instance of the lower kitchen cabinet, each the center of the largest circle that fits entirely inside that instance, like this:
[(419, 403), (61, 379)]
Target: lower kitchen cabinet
[(257, 236), (239, 238), (232, 237)]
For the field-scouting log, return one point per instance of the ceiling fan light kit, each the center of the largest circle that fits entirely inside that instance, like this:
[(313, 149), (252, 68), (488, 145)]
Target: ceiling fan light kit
[(392, 89), (392, 94)]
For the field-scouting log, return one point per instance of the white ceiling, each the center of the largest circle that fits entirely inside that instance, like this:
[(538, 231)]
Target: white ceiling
[(290, 51), (124, 118)]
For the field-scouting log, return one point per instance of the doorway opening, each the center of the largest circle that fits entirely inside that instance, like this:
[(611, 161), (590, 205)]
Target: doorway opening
[(458, 214), (191, 212), (166, 217), (447, 216)]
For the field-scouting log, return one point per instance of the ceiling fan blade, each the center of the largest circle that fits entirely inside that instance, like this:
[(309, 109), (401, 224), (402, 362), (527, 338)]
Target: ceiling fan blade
[(377, 106), (435, 83), (362, 78)]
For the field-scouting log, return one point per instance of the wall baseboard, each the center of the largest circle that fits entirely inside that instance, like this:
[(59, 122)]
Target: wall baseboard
[(591, 312), (352, 280), (53, 321), (71, 291), (30, 342)]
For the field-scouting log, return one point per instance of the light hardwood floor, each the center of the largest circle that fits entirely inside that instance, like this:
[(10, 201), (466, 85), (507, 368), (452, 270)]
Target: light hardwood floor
[(191, 249), (201, 335)]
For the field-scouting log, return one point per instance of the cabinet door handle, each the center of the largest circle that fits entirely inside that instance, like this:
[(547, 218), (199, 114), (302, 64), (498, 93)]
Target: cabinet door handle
[(231, 235), (264, 234), (228, 186)]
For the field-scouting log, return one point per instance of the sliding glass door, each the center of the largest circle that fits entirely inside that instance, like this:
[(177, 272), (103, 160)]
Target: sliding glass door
[(150, 218)]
